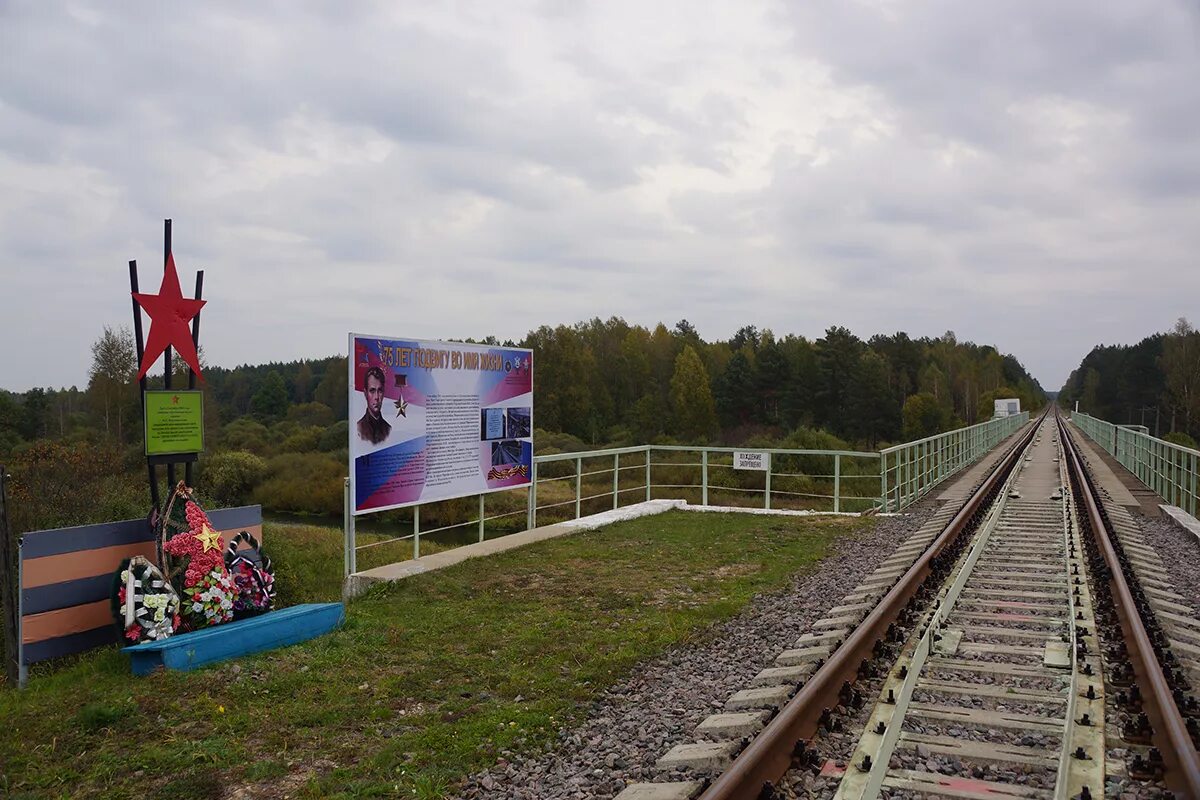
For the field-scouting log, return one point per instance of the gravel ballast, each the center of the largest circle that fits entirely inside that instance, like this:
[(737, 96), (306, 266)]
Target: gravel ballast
[(1179, 550), (635, 722)]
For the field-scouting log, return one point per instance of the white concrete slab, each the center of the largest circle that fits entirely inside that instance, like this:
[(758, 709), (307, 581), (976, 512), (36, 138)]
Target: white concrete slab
[(1185, 520), (359, 582)]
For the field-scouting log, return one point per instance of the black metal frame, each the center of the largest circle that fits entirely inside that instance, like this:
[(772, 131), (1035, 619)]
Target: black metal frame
[(187, 459)]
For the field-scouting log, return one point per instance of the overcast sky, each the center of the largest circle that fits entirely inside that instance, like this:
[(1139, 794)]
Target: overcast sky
[(440, 170)]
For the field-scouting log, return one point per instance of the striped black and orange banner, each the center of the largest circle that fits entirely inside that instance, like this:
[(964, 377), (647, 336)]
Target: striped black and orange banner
[(503, 473), (67, 574)]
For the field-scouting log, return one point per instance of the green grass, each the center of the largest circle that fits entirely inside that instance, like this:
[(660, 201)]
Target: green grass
[(429, 680)]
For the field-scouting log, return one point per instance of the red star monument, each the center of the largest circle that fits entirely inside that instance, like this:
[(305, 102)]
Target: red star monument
[(170, 314)]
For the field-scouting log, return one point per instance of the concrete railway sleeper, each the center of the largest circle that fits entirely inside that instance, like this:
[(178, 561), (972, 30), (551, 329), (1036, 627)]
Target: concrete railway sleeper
[(754, 742), (1028, 645), (999, 692), (1152, 659)]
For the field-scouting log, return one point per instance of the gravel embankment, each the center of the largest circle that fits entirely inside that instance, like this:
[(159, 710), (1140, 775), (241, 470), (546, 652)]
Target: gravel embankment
[(1180, 552), (635, 722)]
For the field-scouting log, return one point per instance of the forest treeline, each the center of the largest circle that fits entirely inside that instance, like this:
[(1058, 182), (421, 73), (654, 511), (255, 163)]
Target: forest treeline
[(1155, 383), (277, 433)]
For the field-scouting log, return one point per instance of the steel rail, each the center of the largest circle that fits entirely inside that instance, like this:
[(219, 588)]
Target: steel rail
[(769, 755), (1170, 730)]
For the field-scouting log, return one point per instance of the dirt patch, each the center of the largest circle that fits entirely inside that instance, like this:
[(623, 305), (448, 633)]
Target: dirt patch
[(280, 788)]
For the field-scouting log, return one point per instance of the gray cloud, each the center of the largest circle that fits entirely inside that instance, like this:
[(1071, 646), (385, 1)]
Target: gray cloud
[(920, 166)]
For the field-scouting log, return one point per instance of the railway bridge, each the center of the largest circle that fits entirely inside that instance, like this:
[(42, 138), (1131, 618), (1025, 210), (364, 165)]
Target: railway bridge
[(1034, 635)]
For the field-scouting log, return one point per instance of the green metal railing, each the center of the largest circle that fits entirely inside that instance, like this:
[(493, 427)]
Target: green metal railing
[(1169, 470), (567, 486), (908, 471), (829, 480)]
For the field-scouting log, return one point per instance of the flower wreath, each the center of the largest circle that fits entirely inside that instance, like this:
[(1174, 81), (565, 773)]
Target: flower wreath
[(145, 605), (197, 568), (252, 575), (176, 518)]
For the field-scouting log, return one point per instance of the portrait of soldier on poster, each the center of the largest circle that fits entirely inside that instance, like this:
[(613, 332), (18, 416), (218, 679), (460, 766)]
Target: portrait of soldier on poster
[(373, 427)]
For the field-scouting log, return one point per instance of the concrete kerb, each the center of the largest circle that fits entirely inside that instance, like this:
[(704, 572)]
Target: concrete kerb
[(358, 583), (1183, 519)]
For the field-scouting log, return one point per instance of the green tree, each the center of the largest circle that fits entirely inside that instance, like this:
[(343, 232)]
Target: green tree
[(33, 416), (746, 336), (10, 422), (311, 414), (695, 415), (335, 437), (228, 478), (933, 381), (245, 433), (110, 379), (647, 417), (737, 390), (270, 402), (925, 416), (773, 372), (987, 401), (304, 383), (1091, 392), (1181, 368), (799, 395), (837, 357), (872, 409), (332, 389)]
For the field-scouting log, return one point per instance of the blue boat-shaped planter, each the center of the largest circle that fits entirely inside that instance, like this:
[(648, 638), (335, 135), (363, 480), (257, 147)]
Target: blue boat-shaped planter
[(268, 631)]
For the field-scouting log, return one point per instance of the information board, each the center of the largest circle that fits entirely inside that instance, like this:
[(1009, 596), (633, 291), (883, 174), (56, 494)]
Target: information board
[(436, 420), (174, 422), (751, 460)]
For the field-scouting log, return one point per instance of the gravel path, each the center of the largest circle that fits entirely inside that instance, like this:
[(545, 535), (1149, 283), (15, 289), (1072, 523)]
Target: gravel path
[(635, 722)]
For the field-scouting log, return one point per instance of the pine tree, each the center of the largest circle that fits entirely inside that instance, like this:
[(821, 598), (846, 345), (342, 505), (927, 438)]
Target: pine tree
[(1181, 367), (837, 356), (737, 390), (772, 369), (872, 409)]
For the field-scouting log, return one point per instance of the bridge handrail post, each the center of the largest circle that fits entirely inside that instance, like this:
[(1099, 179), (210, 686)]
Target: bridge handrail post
[(883, 482), (648, 450), (837, 482), (767, 490), (531, 500), (616, 479), (578, 484)]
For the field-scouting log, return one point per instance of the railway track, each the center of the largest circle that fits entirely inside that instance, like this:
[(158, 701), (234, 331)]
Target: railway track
[(1009, 650), (1002, 688)]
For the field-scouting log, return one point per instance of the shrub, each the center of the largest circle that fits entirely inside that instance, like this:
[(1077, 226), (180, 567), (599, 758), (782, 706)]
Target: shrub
[(8, 441), (305, 440), (278, 433), (924, 416), (229, 478), (1180, 438), (57, 484), (302, 483), (245, 434), (546, 442), (334, 437), (311, 414)]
